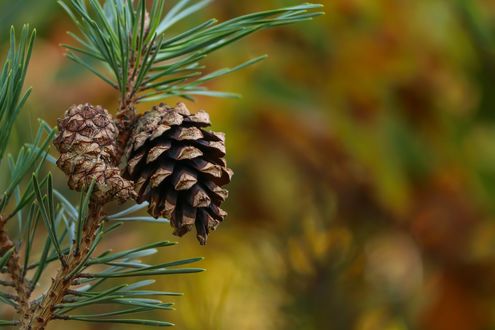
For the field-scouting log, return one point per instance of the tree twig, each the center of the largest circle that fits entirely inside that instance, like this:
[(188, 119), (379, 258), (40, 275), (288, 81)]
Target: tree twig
[(126, 116), (62, 282), (15, 271)]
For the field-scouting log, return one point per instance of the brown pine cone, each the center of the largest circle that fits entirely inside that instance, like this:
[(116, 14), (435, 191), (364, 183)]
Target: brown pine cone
[(179, 167), (86, 142)]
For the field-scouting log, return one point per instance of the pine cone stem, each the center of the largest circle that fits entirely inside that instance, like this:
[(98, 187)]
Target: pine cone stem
[(45, 311), (126, 116), (18, 279)]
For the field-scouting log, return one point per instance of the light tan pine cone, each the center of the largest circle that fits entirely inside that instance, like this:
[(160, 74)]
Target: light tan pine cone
[(87, 145)]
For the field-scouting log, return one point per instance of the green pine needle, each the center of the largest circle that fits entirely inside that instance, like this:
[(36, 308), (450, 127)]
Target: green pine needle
[(12, 77), (150, 64)]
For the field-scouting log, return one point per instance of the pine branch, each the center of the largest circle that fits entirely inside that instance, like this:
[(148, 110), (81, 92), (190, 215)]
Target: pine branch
[(144, 62), (64, 278), (147, 64), (8, 251), (62, 296), (74, 233)]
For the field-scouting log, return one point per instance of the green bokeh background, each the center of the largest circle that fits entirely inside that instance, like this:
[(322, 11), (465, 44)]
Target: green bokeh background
[(364, 152)]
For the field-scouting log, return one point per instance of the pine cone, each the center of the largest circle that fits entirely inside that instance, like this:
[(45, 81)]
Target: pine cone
[(179, 167), (86, 142)]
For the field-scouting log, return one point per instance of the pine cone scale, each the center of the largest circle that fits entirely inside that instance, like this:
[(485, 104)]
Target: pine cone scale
[(165, 171), (198, 197), (187, 134), (217, 148), (200, 119), (157, 151), (185, 153), (184, 180)]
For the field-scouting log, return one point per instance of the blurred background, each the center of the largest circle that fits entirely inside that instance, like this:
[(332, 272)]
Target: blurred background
[(364, 153)]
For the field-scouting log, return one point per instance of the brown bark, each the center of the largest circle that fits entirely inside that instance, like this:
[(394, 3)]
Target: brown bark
[(45, 312), (18, 280), (126, 116)]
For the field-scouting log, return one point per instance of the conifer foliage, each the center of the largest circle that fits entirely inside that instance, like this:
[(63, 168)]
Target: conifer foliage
[(135, 49)]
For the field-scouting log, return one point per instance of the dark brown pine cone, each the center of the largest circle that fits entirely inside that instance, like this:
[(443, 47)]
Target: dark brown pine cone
[(86, 142), (179, 167)]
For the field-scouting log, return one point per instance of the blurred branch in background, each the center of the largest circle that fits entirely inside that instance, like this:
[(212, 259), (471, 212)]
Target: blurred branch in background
[(17, 12), (482, 37)]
